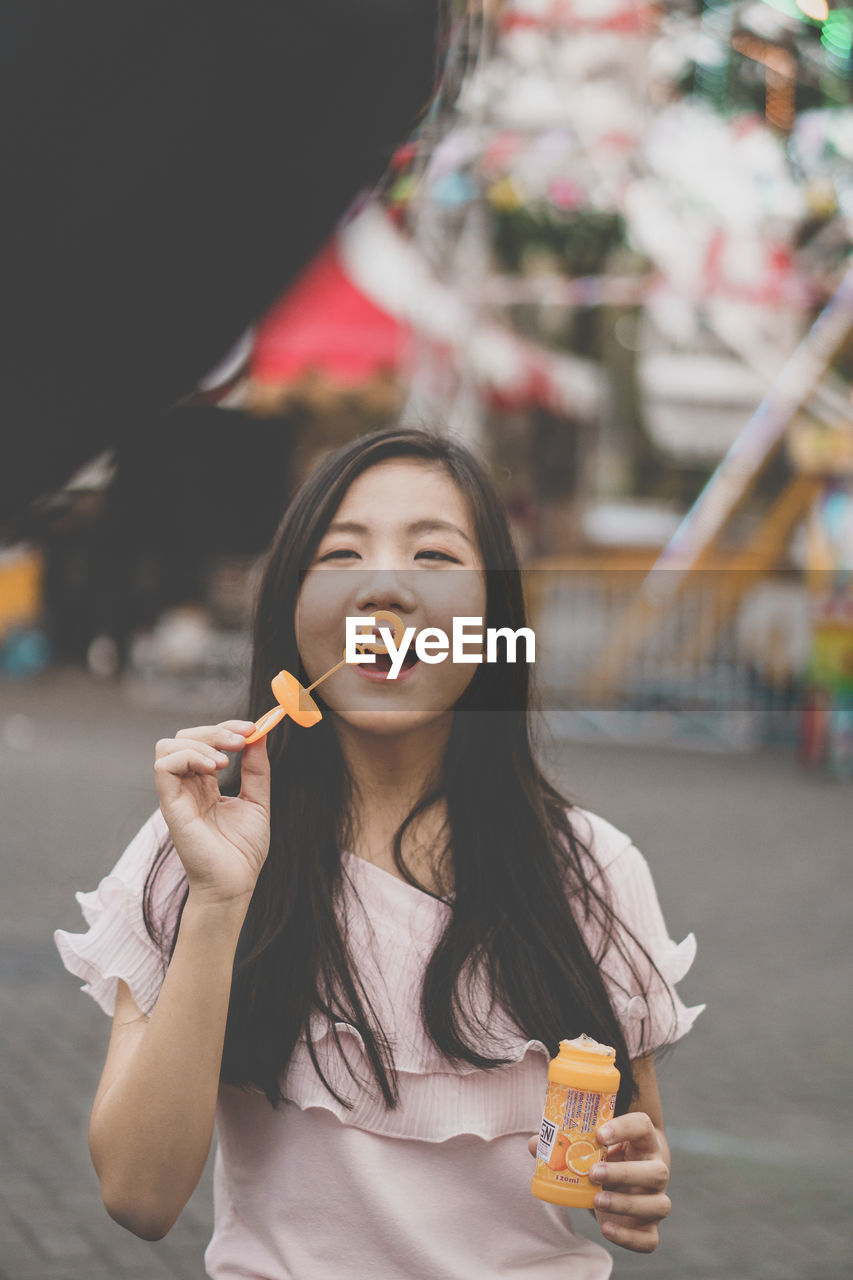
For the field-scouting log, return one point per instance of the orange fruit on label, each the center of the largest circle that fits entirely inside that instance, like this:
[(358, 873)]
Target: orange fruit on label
[(581, 1156)]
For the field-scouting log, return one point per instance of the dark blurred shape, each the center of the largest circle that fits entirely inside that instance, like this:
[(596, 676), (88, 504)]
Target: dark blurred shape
[(167, 169), (115, 561)]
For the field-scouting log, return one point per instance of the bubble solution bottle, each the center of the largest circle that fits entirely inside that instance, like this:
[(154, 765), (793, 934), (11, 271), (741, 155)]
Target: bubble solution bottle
[(582, 1085)]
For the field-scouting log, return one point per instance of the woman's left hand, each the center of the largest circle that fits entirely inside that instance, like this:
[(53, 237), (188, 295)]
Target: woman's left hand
[(633, 1180)]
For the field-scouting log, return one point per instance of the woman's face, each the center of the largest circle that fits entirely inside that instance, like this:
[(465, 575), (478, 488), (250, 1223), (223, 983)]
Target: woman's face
[(402, 539)]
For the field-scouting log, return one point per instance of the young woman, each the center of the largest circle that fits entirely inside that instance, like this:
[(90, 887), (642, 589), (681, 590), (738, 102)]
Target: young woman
[(360, 959)]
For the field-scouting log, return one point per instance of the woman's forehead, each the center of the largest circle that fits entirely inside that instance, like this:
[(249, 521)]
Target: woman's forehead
[(405, 492)]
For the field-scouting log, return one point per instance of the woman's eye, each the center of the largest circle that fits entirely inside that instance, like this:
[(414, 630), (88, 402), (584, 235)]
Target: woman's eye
[(441, 555), (347, 553), (340, 554)]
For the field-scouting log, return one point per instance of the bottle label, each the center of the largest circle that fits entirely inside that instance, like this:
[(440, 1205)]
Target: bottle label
[(567, 1147)]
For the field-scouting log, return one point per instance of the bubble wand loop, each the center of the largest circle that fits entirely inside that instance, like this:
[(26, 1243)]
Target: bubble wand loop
[(295, 701)]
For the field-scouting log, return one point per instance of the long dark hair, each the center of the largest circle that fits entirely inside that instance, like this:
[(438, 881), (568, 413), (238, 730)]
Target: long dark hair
[(515, 859)]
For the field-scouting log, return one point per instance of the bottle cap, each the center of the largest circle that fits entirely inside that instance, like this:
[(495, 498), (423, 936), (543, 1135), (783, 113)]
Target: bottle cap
[(583, 1047)]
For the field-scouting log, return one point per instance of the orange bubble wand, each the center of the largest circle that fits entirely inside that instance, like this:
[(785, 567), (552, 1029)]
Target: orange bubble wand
[(295, 701)]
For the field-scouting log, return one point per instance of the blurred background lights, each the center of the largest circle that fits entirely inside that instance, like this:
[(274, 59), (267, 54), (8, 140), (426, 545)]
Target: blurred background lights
[(838, 33)]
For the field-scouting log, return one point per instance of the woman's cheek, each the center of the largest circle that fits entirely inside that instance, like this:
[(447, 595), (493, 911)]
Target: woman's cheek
[(449, 682), (452, 593), (320, 631)]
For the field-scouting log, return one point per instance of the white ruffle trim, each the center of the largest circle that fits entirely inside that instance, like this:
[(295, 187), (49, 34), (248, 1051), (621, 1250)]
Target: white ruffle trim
[(117, 944), (665, 1020), (438, 1099)]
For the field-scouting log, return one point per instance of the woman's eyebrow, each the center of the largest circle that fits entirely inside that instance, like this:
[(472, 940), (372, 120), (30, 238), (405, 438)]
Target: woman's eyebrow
[(346, 526), (427, 526), (417, 526)]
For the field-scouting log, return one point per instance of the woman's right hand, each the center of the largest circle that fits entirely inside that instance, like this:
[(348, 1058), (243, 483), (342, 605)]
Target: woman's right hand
[(222, 841)]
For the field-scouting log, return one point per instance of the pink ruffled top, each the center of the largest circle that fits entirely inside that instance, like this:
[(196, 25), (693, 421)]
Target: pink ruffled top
[(437, 1188)]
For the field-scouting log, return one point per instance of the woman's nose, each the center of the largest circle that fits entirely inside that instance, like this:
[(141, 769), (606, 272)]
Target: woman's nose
[(385, 589)]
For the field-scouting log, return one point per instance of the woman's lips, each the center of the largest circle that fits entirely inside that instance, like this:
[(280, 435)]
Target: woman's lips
[(370, 671)]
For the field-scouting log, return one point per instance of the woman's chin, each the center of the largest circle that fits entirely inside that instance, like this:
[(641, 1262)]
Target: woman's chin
[(387, 723)]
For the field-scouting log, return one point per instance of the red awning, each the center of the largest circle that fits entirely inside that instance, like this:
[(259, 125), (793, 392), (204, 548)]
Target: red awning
[(325, 324)]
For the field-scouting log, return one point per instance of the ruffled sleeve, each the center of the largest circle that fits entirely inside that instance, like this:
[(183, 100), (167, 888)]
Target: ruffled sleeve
[(117, 944), (644, 996)]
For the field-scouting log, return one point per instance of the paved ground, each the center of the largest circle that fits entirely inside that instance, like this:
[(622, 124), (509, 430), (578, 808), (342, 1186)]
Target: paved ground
[(747, 851)]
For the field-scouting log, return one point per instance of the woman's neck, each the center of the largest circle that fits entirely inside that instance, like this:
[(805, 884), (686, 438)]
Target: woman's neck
[(391, 770), (390, 773)]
